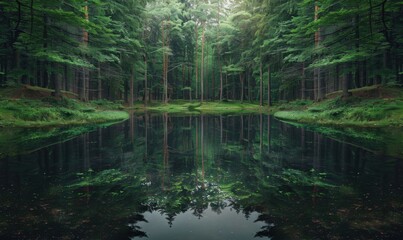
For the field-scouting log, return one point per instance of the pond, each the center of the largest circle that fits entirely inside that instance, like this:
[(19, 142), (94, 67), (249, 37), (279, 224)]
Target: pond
[(200, 177)]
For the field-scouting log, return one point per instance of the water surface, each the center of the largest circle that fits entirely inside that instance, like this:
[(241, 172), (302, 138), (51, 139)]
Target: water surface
[(201, 177)]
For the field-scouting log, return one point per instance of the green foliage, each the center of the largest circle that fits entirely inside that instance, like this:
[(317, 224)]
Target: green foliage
[(116, 105), (52, 112), (206, 108)]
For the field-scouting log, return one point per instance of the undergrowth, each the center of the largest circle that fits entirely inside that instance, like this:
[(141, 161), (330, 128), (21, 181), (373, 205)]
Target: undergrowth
[(351, 111), (54, 112)]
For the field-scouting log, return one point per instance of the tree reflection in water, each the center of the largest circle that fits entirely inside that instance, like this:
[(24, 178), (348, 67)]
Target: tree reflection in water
[(201, 173)]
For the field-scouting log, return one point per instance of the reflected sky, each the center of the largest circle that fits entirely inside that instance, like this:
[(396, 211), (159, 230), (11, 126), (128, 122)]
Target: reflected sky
[(228, 224)]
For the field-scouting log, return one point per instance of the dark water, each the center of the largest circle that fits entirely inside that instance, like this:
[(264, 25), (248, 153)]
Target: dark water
[(212, 177)]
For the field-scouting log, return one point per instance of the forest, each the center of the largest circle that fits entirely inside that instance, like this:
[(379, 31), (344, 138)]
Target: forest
[(201, 119), (265, 51)]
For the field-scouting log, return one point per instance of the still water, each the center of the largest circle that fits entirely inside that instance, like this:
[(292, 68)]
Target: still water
[(200, 177)]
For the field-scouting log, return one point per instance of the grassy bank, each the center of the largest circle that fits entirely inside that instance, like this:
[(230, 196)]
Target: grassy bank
[(367, 107), (35, 107), (371, 118), (186, 107)]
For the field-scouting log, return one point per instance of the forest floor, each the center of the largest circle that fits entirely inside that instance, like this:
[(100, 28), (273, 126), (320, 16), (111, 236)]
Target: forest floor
[(29, 106), (375, 106), (195, 107)]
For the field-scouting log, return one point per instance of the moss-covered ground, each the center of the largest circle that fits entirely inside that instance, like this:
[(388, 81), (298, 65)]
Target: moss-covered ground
[(367, 107), (195, 107), (42, 110)]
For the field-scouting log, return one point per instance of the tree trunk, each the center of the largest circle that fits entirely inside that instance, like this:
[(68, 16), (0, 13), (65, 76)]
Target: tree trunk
[(317, 71), (183, 81), (268, 87), (241, 78), (57, 81), (197, 61), (99, 81), (249, 87), (212, 76), (226, 86), (357, 49), (85, 73), (346, 81), (221, 83), (303, 97), (131, 99), (321, 86), (233, 87), (165, 91), (82, 88), (166, 77), (202, 65), (363, 75), (261, 85), (145, 81), (219, 48)]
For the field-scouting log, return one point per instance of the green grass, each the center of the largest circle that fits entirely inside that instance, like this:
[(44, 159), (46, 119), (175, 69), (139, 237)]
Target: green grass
[(185, 107), (354, 111), (51, 112)]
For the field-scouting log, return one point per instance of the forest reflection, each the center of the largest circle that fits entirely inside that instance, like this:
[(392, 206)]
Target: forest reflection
[(131, 179)]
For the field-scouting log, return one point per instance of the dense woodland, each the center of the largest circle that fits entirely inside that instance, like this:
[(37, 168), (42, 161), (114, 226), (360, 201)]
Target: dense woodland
[(252, 50)]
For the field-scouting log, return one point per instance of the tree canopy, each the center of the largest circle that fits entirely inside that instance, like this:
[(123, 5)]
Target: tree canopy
[(198, 49)]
